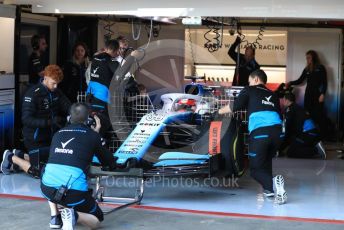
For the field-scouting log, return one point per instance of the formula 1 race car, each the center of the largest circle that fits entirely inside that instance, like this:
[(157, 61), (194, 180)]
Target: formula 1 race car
[(185, 138)]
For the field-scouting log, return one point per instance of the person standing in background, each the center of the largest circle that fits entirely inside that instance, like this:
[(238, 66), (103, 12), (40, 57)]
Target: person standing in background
[(74, 80), (315, 74), (36, 62), (246, 63), (123, 48)]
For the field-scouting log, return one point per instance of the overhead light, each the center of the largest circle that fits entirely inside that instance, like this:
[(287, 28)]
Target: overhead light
[(114, 12), (39, 6), (192, 21), (138, 12), (172, 12), (167, 20), (149, 12)]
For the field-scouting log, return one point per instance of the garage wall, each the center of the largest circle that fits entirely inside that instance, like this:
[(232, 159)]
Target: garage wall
[(327, 42), (219, 68), (7, 44)]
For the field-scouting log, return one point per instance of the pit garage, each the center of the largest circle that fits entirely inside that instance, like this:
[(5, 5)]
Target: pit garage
[(187, 101)]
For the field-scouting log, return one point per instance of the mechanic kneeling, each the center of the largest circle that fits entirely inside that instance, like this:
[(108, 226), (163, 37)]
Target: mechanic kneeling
[(64, 180), (302, 138), (43, 113)]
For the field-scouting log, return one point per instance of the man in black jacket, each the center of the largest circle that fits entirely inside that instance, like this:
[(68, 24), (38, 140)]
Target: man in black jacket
[(247, 63), (37, 62), (301, 134), (44, 111), (104, 69), (265, 128)]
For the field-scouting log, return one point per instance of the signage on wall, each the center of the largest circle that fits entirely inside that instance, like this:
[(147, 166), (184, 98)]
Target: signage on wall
[(272, 49)]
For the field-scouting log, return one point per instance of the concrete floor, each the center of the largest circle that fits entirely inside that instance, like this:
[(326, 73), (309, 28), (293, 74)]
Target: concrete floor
[(28, 215), (315, 189)]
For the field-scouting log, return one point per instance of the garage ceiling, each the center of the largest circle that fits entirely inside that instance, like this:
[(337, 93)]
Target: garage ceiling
[(266, 9)]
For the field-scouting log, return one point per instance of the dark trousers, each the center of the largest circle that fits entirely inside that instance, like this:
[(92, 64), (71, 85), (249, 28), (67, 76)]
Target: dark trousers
[(99, 108), (317, 112), (78, 200), (263, 145), (38, 155), (105, 123), (303, 145)]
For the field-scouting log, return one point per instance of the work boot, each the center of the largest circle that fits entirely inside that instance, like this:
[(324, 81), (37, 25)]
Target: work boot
[(321, 150), (56, 222), (6, 164)]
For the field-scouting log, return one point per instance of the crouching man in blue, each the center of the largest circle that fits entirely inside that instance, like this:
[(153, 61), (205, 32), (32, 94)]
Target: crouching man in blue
[(301, 135), (265, 128), (64, 180)]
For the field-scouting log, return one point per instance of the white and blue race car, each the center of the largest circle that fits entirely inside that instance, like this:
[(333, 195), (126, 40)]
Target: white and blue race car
[(182, 138)]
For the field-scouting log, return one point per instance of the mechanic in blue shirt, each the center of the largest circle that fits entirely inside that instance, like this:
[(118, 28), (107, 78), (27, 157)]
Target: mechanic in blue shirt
[(104, 69), (301, 135), (71, 153), (265, 128)]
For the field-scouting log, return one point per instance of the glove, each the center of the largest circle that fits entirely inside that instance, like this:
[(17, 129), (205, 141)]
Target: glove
[(238, 39), (280, 90), (215, 113), (211, 115), (281, 87)]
